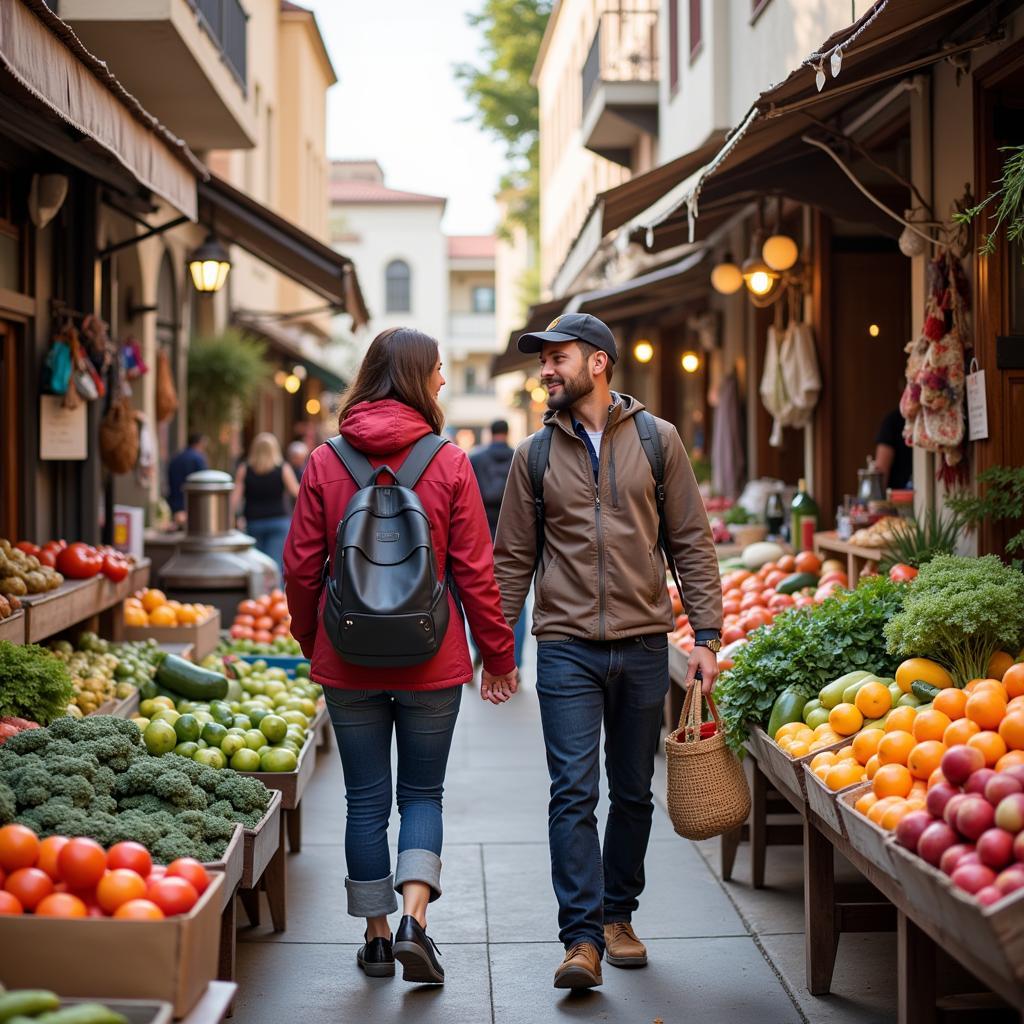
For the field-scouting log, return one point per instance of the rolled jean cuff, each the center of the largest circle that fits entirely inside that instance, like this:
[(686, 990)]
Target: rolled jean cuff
[(371, 899), (419, 866)]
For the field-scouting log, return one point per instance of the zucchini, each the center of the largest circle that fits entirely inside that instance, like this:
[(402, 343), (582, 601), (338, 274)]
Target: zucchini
[(810, 706), (83, 1013), (27, 1003), (788, 707), (923, 691), (189, 680), (796, 581)]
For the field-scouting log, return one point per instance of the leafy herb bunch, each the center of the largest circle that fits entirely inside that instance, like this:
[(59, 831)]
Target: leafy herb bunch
[(959, 612), (807, 648), (33, 683)]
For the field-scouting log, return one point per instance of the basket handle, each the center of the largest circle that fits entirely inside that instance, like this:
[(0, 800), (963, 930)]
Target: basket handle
[(690, 717)]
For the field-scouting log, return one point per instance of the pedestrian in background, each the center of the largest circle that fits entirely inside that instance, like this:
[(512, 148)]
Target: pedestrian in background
[(601, 617), (261, 484), (298, 456), (491, 466), (390, 407), (189, 460)]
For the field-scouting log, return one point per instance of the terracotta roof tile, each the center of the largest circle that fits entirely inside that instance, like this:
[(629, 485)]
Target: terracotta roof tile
[(471, 247), (356, 191)]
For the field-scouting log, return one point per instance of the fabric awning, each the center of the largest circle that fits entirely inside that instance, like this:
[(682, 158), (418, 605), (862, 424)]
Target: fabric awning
[(237, 218), (893, 39), (289, 343), (44, 63)]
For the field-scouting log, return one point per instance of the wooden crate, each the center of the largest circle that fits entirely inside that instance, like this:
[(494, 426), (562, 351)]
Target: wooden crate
[(823, 801), (140, 573), (56, 610), (12, 629), (110, 593), (127, 707), (230, 865), (136, 1011), (261, 843), (203, 636), (926, 887), (867, 838), (786, 773), (291, 785)]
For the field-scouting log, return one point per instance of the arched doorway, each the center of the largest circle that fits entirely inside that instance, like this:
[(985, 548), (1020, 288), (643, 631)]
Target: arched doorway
[(168, 338)]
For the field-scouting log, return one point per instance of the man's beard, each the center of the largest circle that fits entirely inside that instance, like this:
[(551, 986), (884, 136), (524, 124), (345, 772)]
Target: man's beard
[(572, 390)]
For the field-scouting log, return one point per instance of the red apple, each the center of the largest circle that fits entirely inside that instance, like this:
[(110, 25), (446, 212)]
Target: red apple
[(959, 762), (979, 780), (1015, 772), (973, 877), (1011, 879), (995, 848), (938, 796), (951, 808), (1001, 786), (911, 827), (989, 895), (952, 857), (1018, 847), (1010, 813), (936, 839), (971, 857), (974, 816)]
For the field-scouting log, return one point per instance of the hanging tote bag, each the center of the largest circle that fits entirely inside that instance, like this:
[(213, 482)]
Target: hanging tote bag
[(707, 788), (166, 393), (119, 436)]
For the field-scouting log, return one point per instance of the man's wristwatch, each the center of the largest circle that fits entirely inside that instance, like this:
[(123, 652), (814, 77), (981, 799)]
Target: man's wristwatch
[(712, 644)]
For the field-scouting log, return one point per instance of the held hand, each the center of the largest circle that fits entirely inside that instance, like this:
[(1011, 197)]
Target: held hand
[(498, 689), (705, 661)]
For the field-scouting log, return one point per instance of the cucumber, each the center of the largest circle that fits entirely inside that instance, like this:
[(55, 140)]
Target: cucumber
[(796, 581), (189, 680), (832, 694), (788, 707), (924, 692), (27, 1003), (83, 1013), (850, 693)]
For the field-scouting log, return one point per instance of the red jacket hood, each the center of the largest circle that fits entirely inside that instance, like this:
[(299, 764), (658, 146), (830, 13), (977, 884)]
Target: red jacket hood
[(380, 428)]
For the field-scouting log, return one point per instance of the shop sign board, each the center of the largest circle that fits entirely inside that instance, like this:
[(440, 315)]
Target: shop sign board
[(977, 405), (63, 433)]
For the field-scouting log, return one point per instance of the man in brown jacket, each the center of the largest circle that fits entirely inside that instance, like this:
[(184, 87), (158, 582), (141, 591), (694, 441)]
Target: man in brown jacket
[(602, 612)]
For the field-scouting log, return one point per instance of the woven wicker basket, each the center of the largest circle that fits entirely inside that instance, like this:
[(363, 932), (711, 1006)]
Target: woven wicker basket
[(707, 788)]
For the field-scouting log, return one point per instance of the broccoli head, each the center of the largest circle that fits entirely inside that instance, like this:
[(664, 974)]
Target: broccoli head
[(146, 803), (246, 795), (8, 805), (33, 786), (29, 741), (175, 787)]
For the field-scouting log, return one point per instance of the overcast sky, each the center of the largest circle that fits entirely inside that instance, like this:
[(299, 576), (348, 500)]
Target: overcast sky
[(397, 100)]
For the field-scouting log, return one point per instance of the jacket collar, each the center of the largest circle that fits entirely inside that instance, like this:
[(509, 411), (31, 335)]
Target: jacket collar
[(623, 407)]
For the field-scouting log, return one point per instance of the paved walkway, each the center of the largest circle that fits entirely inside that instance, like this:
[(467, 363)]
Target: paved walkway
[(718, 953)]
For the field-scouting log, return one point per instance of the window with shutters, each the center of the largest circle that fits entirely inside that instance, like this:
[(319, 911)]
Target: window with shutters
[(398, 287)]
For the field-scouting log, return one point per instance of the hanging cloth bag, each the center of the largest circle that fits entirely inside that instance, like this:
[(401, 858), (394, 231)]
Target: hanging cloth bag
[(707, 787), (166, 394), (119, 435)]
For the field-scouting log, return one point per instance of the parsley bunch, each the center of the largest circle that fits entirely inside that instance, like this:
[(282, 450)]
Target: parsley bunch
[(806, 649), (959, 612), (33, 684)]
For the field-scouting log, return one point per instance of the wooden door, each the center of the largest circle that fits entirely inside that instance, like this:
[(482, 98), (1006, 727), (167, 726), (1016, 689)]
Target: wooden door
[(10, 412)]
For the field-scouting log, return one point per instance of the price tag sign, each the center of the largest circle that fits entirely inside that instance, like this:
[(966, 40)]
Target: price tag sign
[(62, 432), (977, 404)]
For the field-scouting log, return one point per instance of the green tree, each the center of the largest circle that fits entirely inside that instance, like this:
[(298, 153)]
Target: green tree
[(505, 101)]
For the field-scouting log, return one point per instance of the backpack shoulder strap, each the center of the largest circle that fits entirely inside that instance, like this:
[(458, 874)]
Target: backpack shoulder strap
[(536, 464), (416, 462), (354, 461), (650, 440)]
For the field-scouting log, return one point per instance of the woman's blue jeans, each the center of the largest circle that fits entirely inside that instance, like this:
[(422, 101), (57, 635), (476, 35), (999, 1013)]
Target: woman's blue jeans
[(270, 535), (423, 722)]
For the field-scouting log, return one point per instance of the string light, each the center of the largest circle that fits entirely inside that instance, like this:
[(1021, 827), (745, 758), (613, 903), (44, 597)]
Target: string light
[(643, 351)]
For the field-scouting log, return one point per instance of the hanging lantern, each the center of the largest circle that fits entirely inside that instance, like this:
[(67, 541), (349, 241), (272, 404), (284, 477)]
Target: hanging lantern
[(727, 278), (643, 351), (209, 265), (780, 252)]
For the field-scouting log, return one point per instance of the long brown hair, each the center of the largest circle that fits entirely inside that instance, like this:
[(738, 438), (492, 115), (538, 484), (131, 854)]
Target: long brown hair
[(398, 364)]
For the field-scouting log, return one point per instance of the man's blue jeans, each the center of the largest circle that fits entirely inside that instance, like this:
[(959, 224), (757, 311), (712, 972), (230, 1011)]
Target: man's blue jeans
[(582, 685), (423, 722)]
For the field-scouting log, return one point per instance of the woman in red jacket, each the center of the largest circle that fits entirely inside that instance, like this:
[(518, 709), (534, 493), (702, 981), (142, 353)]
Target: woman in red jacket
[(390, 406)]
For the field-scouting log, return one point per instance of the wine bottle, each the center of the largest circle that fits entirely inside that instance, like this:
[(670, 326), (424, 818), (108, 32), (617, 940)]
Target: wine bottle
[(803, 519)]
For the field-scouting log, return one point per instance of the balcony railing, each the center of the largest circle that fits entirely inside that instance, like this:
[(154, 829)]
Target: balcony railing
[(625, 49), (224, 21)]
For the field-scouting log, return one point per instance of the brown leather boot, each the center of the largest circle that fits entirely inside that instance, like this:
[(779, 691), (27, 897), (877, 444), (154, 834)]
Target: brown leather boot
[(622, 947), (581, 967)]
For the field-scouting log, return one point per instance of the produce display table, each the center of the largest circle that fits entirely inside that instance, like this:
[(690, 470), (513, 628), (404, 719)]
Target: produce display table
[(214, 1005), (265, 867), (138, 578), (230, 866), (321, 727), (12, 629), (858, 558), (292, 785)]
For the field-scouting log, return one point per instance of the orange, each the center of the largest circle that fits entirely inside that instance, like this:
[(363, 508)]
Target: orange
[(789, 729), (895, 748), (892, 780), (877, 810), (951, 702), (134, 615), (153, 599), (822, 771), (865, 744), (900, 720), (872, 766), (799, 748), (986, 708), (826, 758), (994, 685), (925, 758), (1011, 728), (163, 616), (1009, 759), (866, 802), (936, 777), (1015, 702), (873, 700), (919, 790), (1013, 680), (916, 803), (960, 732), (930, 725), (846, 753), (998, 664), (845, 719), (895, 814), (187, 615), (842, 775), (990, 744)]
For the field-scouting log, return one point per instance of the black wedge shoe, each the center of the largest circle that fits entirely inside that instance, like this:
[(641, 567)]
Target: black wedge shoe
[(376, 958), (416, 952)]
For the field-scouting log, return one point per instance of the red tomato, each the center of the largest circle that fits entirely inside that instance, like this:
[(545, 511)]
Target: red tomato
[(754, 619), (834, 577), (28, 547), (29, 886), (173, 895), (48, 557), (264, 622), (119, 886), (81, 863), (263, 636), (9, 904), (752, 585), (139, 910), (19, 847), (732, 633), (241, 632), (731, 606), (49, 851), (777, 602), (751, 600), (133, 856), (803, 601), (79, 562), (115, 568), (902, 573), (192, 871), (244, 620), (62, 904), (773, 579), (279, 610), (250, 608), (807, 561)]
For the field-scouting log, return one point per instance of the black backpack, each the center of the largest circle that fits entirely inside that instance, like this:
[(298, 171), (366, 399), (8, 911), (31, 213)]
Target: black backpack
[(537, 462), (384, 604)]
